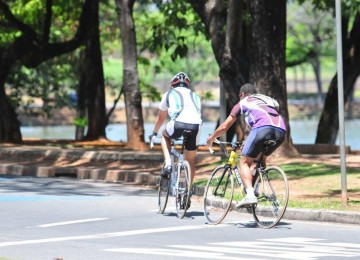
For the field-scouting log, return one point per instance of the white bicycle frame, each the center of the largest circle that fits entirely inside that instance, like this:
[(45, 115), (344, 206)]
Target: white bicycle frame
[(175, 172)]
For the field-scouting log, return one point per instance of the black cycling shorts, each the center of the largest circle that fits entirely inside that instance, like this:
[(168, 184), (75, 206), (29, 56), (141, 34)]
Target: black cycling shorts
[(254, 144), (175, 130)]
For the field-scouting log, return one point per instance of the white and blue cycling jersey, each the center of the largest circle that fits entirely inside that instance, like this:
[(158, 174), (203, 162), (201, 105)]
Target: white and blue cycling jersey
[(183, 105)]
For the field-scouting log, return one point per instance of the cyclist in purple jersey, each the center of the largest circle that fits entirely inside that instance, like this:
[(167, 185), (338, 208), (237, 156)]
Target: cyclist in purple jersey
[(261, 114)]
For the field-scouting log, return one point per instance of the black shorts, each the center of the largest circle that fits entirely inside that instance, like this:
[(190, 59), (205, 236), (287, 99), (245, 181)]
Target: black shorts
[(175, 130), (254, 144)]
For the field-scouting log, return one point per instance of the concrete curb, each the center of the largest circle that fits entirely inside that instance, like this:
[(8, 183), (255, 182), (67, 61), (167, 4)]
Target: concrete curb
[(345, 217)]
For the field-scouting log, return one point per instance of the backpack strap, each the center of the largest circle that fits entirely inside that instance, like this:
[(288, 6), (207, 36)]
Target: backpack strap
[(181, 102), (267, 100), (196, 102)]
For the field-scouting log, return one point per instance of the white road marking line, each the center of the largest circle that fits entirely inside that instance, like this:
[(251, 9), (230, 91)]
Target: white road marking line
[(99, 236), (178, 253), (298, 249), (311, 241), (71, 222)]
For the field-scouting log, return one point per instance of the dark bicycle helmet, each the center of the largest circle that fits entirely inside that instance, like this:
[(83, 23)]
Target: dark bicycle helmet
[(180, 80)]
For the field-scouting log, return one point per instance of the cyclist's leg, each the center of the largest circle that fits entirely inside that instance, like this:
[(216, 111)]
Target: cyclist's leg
[(250, 152), (165, 145), (245, 166), (191, 143), (190, 157)]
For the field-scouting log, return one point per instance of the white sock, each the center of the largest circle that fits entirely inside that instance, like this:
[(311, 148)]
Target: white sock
[(250, 192), (167, 162)]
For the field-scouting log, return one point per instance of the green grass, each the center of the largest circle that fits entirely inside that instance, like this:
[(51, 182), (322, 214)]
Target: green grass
[(319, 186), (324, 204), (301, 170)]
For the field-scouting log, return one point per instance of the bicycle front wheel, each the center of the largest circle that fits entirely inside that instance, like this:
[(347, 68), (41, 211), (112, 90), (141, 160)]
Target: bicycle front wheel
[(218, 194), (183, 188), (163, 193), (272, 190)]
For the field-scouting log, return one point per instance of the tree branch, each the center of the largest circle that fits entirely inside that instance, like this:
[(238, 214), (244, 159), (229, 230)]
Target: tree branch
[(311, 54), (47, 24), (16, 23)]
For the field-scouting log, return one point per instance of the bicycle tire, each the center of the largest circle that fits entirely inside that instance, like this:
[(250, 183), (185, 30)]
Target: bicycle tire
[(272, 191), (218, 194), (163, 193), (183, 189)]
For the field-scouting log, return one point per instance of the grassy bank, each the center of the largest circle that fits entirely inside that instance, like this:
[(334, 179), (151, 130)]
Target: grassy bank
[(318, 186)]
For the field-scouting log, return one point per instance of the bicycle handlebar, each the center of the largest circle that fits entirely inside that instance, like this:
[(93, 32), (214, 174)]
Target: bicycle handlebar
[(233, 145), (217, 141)]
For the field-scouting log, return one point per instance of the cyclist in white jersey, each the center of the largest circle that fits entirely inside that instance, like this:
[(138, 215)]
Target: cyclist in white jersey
[(183, 106), (261, 114)]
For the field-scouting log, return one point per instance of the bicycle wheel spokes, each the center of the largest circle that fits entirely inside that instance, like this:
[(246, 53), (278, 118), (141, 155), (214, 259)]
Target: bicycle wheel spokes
[(182, 194), (273, 194), (218, 194), (163, 193)]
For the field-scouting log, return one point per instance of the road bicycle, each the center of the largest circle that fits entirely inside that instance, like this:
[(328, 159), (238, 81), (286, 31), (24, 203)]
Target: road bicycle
[(178, 183), (270, 186)]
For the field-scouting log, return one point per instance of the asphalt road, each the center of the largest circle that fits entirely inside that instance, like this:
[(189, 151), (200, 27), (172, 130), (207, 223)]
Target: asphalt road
[(57, 218)]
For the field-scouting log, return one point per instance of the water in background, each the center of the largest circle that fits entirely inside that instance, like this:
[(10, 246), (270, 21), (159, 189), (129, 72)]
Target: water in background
[(302, 132)]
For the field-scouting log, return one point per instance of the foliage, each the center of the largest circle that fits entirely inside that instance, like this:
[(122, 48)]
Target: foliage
[(309, 30), (33, 14), (208, 95), (82, 121), (172, 37), (51, 83)]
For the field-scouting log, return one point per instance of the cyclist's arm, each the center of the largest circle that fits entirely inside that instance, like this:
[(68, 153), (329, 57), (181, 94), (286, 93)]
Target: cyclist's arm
[(221, 130), (160, 120)]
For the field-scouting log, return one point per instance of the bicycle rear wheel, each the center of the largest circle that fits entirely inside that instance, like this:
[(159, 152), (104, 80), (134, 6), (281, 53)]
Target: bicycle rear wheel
[(272, 191), (163, 193), (218, 194), (182, 191)]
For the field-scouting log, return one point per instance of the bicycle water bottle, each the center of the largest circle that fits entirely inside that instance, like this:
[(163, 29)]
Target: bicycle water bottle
[(232, 159)]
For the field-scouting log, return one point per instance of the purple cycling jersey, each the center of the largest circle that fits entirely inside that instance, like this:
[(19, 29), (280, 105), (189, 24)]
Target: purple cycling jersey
[(258, 112)]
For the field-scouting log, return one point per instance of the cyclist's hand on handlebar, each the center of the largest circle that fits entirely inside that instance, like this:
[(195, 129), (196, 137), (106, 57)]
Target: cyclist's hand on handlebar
[(209, 143), (152, 137)]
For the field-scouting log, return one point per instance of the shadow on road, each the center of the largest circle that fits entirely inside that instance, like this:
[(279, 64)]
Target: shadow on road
[(69, 187)]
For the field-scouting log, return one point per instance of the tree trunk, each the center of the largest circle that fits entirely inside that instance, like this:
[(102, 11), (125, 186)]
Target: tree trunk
[(268, 64), (9, 124), (229, 46), (232, 48), (315, 63), (131, 90), (329, 121), (92, 78)]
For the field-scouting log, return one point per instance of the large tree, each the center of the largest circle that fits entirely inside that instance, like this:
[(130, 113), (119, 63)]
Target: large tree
[(131, 90), (29, 47), (92, 88), (244, 34), (329, 122)]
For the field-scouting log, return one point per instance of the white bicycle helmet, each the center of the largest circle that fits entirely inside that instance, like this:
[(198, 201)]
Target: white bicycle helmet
[(180, 80)]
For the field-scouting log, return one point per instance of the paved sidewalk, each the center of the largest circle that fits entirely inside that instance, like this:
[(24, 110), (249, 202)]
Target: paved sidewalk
[(123, 166)]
